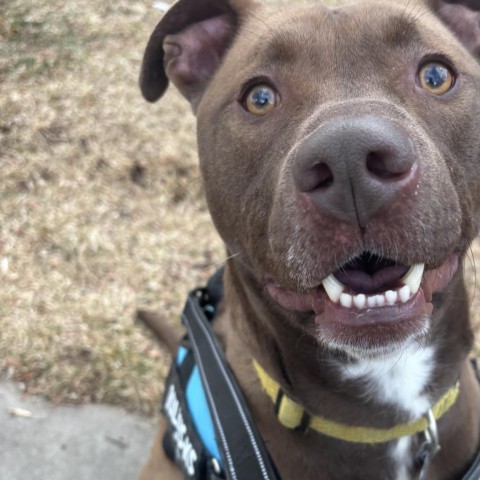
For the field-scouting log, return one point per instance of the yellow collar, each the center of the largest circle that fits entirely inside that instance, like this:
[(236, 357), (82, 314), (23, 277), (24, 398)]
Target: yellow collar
[(291, 415)]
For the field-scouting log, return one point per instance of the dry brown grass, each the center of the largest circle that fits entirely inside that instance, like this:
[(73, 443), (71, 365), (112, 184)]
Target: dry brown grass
[(101, 205), (102, 208)]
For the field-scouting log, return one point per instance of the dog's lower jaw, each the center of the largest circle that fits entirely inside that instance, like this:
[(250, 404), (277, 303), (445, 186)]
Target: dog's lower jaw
[(348, 390), (365, 351), (374, 330)]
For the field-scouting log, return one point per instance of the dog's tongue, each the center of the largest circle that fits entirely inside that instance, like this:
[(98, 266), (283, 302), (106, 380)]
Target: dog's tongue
[(361, 281)]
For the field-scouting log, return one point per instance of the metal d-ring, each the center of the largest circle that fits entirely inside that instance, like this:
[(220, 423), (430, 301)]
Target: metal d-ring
[(430, 446)]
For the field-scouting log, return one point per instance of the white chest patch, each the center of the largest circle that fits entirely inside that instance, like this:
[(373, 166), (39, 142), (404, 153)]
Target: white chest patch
[(401, 456), (397, 381)]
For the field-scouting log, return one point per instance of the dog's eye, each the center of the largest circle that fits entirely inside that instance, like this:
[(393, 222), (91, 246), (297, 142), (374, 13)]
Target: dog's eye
[(260, 100), (436, 78)]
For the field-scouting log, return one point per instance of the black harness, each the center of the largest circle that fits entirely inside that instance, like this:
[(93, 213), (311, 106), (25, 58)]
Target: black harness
[(210, 434)]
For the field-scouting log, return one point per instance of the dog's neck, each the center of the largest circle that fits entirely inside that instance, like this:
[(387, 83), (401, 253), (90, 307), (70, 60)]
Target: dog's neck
[(375, 392)]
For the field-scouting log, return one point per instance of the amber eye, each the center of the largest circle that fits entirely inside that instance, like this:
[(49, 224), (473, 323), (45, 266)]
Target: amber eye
[(260, 100), (436, 78)]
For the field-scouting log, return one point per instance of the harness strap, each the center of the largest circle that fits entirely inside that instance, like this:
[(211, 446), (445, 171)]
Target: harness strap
[(243, 452)]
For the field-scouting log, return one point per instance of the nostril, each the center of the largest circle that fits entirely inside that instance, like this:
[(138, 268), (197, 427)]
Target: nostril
[(376, 165), (319, 176), (386, 166)]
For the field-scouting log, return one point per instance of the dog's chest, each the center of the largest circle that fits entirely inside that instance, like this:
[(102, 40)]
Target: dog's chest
[(398, 381)]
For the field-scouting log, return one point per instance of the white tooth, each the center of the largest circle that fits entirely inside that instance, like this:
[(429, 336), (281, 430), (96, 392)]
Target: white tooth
[(346, 300), (372, 301), (391, 297), (413, 277), (380, 300), (405, 294), (360, 301), (333, 288)]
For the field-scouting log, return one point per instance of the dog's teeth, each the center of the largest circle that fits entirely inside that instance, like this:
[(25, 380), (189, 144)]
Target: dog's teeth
[(360, 301), (404, 294), (333, 288), (391, 297), (346, 300), (380, 300), (413, 278)]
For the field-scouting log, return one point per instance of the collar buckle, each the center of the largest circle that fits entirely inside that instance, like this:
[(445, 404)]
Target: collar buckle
[(430, 445)]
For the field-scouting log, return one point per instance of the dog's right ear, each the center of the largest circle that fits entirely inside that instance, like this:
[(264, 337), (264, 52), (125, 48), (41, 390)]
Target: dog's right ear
[(187, 46), (463, 19)]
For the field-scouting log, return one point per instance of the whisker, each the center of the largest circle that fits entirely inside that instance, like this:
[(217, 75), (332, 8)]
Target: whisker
[(262, 21), (220, 263)]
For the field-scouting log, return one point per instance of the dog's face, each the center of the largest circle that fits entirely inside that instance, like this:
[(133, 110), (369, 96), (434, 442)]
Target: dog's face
[(340, 151)]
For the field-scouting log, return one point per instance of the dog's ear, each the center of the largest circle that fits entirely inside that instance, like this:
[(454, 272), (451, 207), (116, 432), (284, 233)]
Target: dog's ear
[(463, 18), (187, 46)]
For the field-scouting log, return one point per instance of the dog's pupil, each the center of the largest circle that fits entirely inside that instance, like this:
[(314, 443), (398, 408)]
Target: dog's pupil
[(262, 97), (435, 76)]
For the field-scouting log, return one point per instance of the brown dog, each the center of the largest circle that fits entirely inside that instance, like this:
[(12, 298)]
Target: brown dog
[(340, 151)]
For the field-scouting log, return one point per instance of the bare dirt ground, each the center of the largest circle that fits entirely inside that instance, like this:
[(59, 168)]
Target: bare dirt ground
[(101, 204)]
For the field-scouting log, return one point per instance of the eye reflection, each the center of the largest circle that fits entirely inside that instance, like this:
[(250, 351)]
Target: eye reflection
[(436, 78), (260, 100)]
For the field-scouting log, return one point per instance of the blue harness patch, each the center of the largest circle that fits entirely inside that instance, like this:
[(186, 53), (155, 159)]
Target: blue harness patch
[(190, 438), (198, 408)]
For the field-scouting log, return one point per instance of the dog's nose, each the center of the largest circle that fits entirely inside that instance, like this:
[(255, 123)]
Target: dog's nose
[(352, 167)]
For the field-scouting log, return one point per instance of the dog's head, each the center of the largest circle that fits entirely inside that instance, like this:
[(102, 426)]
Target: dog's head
[(340, 151)]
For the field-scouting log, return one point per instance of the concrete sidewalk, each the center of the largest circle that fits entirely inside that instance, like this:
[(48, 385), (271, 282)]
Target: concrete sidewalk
[(70, 443)]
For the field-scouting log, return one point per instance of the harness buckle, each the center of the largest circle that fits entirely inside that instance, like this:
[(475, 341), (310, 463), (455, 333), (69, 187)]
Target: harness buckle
[(430, 445)]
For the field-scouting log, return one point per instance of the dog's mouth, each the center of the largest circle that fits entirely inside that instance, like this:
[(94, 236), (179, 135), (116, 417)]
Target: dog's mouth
[(369, 281), (376, 299)]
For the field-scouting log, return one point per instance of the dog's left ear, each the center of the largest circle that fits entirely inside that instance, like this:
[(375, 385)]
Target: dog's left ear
[(463, 18), (188, 45)]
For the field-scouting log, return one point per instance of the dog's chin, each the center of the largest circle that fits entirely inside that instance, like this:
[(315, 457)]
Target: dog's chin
[(358, 349), (374, 343), (354, 327)]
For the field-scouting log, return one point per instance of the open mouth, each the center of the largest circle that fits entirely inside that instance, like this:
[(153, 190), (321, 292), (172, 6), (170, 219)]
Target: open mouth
[(369, 282), (371, 298)]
